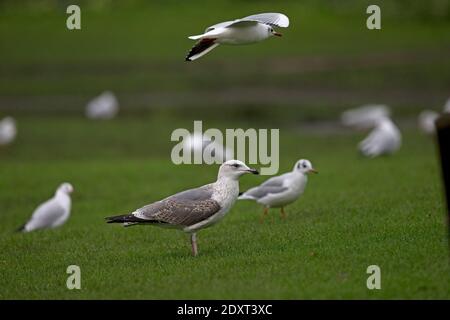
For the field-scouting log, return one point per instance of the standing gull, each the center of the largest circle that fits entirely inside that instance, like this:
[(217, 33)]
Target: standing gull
[(279, 191), (52, 213), (8, 130), (193, 209), (251, 29)]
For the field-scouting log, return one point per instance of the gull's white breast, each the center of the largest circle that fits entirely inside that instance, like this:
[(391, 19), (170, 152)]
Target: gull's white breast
[(243, 35), (225, 193)]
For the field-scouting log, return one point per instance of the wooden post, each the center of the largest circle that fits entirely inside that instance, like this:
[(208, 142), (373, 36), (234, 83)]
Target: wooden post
[(443, 137)]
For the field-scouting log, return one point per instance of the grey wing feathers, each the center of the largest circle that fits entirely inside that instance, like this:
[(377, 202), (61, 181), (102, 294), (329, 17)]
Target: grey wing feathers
[(262, 191), (183, 209), (273, 19)]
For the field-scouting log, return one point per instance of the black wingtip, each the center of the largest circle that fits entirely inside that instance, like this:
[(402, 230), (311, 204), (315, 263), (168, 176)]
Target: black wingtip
[(20, 229)]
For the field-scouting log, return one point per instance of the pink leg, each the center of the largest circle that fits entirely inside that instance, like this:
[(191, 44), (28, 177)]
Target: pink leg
[(194, 244)]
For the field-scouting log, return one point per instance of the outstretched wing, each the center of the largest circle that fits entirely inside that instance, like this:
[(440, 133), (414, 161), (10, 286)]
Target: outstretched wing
[(273, 19)]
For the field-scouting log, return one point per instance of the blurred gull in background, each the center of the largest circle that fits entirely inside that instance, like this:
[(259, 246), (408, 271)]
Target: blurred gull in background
[(384, 139), (254, 28), (366, 116), (279, 191), (427, 118), (198, 142), (52, 213), (103, 107), (8, 130)]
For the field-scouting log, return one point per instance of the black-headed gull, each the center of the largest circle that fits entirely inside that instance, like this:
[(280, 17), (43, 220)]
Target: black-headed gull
[(384, 139), (53, 212), (279, 191), (247, 30), (8, 130), (103, 107), (193, 209)]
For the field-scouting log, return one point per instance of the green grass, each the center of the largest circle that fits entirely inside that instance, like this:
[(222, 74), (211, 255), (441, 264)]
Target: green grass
[(355, 213)]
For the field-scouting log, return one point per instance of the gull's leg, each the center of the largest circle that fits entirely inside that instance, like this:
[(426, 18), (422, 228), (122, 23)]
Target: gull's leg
[(265, 213), (194, 244), (283, 214)]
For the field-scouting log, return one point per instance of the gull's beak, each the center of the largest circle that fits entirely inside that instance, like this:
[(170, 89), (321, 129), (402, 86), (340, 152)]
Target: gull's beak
[(313, 171), (254, 171), (277, 34)]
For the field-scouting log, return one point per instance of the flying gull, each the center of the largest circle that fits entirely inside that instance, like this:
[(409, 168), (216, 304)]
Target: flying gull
[(8, 130), (251, 29), (279, 191), (52, 213), (193, 209)]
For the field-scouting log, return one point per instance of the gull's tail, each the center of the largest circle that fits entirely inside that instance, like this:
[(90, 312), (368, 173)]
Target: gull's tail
[(21, 228), (201, 48), (245, 196), (126, 219)]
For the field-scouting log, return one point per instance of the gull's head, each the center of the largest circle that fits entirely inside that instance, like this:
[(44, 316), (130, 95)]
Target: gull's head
[(272, 32), (234, 169), (66, 188), (304, 166)]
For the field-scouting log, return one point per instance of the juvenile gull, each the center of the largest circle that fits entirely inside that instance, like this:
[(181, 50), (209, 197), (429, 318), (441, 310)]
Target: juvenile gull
[(247, 30), (8, 130), (193, 209), (279, 191), (52, 213)]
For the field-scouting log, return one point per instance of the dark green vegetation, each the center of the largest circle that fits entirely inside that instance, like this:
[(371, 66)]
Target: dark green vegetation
[(355, 213)]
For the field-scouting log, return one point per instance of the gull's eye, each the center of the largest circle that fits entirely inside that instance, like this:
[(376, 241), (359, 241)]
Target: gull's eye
[(236, 165)]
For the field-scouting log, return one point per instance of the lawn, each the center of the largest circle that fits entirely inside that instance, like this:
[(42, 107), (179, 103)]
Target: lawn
[(355, 213)]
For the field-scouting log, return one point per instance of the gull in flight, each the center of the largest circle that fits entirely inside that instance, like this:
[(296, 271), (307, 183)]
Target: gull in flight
[(384, 139), (103, 107), (8, 130), (251, 29), (53, 212), (279, 191), (193, 209)]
